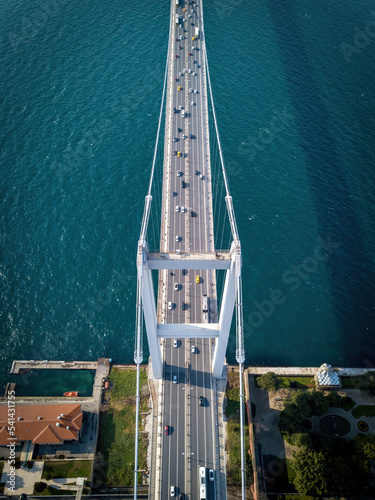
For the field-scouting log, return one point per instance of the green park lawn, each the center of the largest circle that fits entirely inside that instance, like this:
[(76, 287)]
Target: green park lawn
[(114, 463), (364, 411), (67, 468)]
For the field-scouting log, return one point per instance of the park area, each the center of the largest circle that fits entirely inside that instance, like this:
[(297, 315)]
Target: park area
[(313, 443), (114, 461)]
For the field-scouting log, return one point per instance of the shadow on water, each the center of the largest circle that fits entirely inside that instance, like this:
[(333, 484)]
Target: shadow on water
[(349, 266)]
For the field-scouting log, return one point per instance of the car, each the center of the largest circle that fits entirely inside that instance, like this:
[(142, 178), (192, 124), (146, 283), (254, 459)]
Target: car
[(181, 38), (177, 239), (175, 139), (184, 70), (193, 48), (183, 306), (174, 193), (174, 153), (183, 209), (189, 70), (183, 184), (193, 214), (192, 103), (189, 54), (175, 343), (194, 73), (196, 91), (177, 208), (193, 349), (179, 153), (197, 172), (180, 107), (201, 401), (166, 430), (180, 496), (180, 74), (184, 136), (179, 88), (176, 286), (211, 474), (201, 176), (170, 305), (176, 56), (179, 173), (191, 90), (191, 136), (198, 66), (197, 279), (175, 379), (173, 491), (176, 79), (184, 272), (176, 39)]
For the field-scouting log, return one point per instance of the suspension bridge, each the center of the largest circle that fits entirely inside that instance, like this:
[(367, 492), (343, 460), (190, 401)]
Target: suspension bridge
[(189, 249)]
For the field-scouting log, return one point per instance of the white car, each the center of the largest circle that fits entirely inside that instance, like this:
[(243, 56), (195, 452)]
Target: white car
[(174, 139), (189, 70), (174, 342), (191, 90), (180, 107), (211, 475), (173, 491), (175, 379), (193, 349), (177, 238), (176, 286), (178, 173), (184, 136), (183, 209), (177, 208), (195, 91), (169, 305), (192, 103)]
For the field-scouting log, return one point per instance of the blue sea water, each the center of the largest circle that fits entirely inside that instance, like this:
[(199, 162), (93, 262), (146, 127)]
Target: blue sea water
[(81, 86)]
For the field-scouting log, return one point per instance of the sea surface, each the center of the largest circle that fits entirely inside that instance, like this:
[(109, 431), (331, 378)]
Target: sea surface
[(81, 86)]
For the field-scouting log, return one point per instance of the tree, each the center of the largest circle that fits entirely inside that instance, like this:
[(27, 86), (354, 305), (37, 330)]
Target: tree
[(40, 486), (268, 381), (302, 440)]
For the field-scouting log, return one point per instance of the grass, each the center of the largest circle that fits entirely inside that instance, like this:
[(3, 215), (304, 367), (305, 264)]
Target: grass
[(288, 382), (279, 474), (114, 462), (81, 468), (364, 411), (53, 491), (347, 403), (234, 434)]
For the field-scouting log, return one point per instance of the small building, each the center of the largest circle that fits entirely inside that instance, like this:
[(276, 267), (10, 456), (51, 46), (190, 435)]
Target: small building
[(327, 378), (41, 424)]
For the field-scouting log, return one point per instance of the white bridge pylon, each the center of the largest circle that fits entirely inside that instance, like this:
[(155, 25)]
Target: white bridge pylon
[(230, 262)]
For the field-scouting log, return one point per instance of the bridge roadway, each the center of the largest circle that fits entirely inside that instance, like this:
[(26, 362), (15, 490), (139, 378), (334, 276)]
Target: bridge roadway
[(189, 442)]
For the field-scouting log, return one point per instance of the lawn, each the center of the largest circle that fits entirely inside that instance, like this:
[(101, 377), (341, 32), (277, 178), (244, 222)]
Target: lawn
[(279, 474), (292, 382), (53, 491), (364, 411), (347, 403), (114, 462), (76, 468), (234, 434)]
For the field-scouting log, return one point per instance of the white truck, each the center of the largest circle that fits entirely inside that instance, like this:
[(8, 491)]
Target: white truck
[(177, 19)]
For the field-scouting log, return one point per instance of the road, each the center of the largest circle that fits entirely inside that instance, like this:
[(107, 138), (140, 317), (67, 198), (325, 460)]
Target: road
[(188, 227)]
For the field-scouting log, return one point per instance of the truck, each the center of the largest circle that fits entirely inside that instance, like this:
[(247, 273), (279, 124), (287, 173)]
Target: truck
[(177, 3), (202, 483), (196, 33), (177, 19)]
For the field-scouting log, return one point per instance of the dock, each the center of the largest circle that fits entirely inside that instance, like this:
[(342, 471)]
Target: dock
[(19, 366)]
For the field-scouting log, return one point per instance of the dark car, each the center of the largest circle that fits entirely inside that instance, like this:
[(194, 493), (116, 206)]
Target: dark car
[(201, 401), (166, 430)]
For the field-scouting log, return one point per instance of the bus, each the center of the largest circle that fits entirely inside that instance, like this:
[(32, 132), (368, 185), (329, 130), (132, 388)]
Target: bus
[(202, 483), (206, 309)]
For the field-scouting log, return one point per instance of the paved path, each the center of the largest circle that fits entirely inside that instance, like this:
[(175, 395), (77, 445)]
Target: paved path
[(24, 480)]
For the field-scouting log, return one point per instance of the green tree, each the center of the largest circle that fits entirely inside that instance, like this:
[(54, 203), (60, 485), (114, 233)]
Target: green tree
[(269, 381), (302, 440), (40, 486)]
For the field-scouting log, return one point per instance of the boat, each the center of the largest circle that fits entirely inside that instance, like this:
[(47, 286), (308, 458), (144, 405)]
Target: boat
[(71, 394)]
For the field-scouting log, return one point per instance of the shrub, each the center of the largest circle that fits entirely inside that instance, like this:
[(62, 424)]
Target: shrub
[(268, 381), (40, 486)]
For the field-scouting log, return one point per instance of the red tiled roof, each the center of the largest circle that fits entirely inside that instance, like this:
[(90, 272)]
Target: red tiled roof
[(42, 424)]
